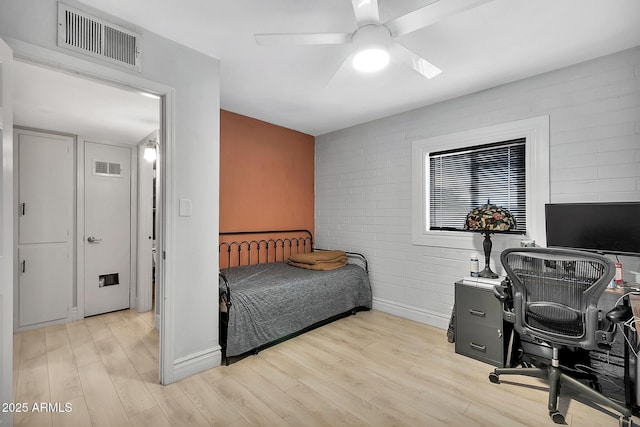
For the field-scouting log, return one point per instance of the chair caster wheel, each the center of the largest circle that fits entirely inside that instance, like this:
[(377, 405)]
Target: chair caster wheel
[(625, 422), (557, 417), (494, 378), (596, 386)]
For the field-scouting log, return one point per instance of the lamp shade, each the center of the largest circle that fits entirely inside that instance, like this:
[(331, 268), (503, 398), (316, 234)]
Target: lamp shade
[(489, 218), (150, 153)]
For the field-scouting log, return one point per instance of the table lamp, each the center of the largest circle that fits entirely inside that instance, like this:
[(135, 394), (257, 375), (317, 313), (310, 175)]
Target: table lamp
[(488, 219)]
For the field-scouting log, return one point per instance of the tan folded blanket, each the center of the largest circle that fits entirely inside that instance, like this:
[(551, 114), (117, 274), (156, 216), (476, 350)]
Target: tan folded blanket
[(319, 257), (322, 266)]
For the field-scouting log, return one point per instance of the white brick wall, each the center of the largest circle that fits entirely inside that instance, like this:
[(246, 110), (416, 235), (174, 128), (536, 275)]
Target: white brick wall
[(363, 173)]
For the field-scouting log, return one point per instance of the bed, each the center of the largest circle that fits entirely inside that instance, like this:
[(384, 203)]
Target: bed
[(264, 300)]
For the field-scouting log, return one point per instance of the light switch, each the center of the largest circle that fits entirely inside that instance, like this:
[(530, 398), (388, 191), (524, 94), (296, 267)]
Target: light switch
[(184, 207)]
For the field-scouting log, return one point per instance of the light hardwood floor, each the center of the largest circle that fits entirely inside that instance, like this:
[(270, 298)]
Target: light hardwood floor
[(369, 369)]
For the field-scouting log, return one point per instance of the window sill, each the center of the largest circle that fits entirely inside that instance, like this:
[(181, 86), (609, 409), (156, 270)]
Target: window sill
[(465, 240)]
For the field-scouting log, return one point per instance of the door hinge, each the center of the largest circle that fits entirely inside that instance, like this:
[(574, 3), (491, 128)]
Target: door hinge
[(22, 209), (164, 255)]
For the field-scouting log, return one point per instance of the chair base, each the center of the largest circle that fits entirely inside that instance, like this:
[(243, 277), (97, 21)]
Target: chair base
[(557, 378)]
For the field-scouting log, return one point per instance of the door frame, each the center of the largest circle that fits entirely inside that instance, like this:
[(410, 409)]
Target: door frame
[(144, 299), (166, 230), (80, 223), (6, 232)]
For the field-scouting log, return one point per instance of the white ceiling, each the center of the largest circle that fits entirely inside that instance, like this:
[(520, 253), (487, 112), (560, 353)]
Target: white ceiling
[(52, 100), (498, 42)]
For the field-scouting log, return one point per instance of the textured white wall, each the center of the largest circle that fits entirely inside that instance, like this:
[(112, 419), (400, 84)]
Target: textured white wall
[(363, 173)]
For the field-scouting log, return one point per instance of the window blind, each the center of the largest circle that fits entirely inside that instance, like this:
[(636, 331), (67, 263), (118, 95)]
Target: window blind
[(461, 180)]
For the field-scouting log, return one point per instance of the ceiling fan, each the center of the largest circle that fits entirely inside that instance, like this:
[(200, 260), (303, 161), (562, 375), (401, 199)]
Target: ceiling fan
[(373, 41)]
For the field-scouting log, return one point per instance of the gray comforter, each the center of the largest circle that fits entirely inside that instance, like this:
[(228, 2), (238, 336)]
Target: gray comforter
[(271, 301)]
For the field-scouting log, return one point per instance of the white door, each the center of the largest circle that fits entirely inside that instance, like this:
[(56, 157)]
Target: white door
[(144, 300), (45, 219), (107, 230), (45, 197), (44, 280), (6, 234)]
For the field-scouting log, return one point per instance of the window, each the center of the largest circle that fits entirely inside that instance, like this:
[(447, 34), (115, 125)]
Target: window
[(451, 174), (465, 178)]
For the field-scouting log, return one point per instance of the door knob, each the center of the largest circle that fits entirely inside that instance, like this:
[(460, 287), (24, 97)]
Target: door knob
[(92, 239)]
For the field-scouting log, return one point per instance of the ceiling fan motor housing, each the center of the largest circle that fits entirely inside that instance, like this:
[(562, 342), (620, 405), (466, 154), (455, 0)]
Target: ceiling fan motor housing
[(372, 36)]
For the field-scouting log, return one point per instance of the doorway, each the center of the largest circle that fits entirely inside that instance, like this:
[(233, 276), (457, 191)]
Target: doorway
[(103, 120)]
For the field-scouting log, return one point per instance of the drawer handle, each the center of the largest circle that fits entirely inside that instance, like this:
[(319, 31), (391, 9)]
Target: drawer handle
[(477, 313), (478, 347)]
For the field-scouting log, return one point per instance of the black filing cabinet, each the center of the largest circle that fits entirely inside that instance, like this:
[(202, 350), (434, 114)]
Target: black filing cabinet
[(481, 332)]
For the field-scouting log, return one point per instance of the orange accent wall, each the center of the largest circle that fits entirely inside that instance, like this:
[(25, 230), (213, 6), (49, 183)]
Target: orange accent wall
[(266, 176)]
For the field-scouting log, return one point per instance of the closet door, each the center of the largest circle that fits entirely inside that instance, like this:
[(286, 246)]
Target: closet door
[(45, 220), (46, 184), (43, 277)]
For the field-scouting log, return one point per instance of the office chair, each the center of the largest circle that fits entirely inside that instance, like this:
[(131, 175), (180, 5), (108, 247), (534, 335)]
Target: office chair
[(554, 299)]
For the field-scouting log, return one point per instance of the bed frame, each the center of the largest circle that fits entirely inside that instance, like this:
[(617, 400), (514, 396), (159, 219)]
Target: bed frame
[(262, 247), (266, 246)]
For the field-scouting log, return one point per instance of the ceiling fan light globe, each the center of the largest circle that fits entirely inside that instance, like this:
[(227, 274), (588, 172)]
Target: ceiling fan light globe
[(371, 60)]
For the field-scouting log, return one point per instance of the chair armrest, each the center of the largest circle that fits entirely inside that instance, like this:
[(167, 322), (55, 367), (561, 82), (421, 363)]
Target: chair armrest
[(500, 292), (504, 296), (619, 314)]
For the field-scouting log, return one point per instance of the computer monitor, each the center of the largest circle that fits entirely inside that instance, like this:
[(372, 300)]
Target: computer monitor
[(608, 228)]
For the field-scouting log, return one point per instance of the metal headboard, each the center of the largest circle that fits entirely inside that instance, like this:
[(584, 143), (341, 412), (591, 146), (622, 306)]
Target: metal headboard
[(264, 247)]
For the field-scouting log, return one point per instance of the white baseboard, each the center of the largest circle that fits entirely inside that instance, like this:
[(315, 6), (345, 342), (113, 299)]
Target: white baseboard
[(194, 363), (437, 320), (72, 316)]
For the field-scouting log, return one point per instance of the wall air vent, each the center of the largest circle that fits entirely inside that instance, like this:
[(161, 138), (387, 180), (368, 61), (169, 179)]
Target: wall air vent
[(107, 168), (96, 37)]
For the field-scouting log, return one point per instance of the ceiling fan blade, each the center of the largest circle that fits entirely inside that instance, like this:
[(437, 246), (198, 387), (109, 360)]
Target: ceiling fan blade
[(366, 12), (420, 65), (428, 15), (302, 39)]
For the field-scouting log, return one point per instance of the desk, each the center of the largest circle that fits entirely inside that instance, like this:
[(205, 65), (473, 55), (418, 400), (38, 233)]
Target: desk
[(632, 388), (631, 365)]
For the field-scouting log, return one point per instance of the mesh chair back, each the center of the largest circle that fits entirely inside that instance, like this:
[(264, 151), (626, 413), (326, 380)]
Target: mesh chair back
[(556, 293)]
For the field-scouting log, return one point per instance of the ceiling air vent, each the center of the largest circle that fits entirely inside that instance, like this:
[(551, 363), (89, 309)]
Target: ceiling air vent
[(96, 37)]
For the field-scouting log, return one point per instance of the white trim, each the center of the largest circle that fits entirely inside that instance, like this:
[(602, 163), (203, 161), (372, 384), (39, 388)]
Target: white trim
[(165, 274), (144, 300), (536, 132), (194, 363), (133, 227), (7, 213), (79, 228), (412, 313)]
